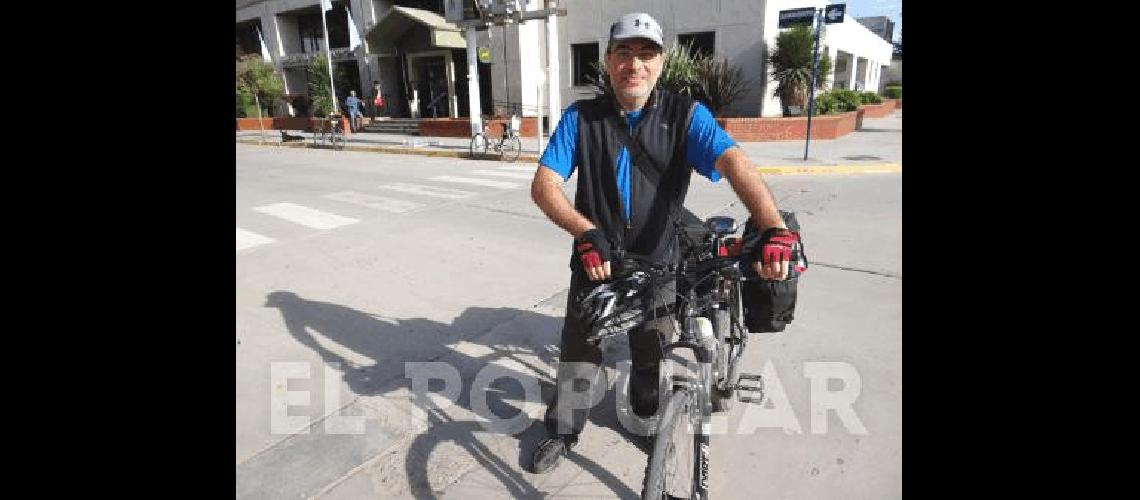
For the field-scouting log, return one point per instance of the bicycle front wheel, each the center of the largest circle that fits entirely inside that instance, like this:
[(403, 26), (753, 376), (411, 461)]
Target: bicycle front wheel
[(722, 398), (478, 145), (511, 149), (670, 471), (338, 140)]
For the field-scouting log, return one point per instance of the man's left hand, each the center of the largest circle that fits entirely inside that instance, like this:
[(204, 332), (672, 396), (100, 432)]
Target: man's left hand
[(775, 252)]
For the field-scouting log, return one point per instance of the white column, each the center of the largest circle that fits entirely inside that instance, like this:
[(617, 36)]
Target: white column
[(873, 79), (553, 81), (862, 75), (538, 116), (473, 105), (832, 53), (453, 100), (852, 63)]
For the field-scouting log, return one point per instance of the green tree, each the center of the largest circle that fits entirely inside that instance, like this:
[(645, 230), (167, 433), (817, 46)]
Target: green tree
[(255, 77), (318, 82), (791, 62)]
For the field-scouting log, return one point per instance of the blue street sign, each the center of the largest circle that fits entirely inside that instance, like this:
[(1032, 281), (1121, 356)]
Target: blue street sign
[(792, 17), (834, 13)]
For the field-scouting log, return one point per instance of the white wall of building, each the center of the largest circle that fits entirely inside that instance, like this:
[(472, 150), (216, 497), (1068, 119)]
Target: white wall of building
[(282, 37), (518, 58), (745, 31), (869, 51)]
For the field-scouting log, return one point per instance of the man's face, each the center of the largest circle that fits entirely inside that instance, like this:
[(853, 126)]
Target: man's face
[(634, 66)]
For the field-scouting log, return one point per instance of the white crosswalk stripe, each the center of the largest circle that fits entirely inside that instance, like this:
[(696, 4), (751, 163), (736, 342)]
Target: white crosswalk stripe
[(517, 168), (512, 175), (305, 216), (476, 182), (438, 192), (248, 239), (373, 201)]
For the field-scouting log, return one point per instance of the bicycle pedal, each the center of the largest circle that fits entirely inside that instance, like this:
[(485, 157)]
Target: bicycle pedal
[(750, 393), (750, 399)]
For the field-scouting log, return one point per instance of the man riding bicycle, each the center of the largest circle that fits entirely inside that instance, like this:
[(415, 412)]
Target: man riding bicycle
[(634, 148)]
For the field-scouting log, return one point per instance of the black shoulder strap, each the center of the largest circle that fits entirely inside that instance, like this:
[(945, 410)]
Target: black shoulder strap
[(644, 162), (649, 168), (637, 155)]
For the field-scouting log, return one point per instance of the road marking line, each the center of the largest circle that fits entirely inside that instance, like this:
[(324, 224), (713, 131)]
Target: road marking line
[(477, 182), (373, 201), (248, 239), (512, 175), (435, 191), (305, 216)]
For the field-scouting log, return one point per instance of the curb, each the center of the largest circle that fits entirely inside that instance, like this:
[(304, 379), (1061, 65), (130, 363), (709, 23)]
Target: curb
[(769, 170), (880, 168), (389, 149)]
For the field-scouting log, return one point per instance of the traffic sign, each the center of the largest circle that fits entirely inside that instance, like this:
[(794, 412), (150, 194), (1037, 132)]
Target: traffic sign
[(834, 13), (792, 17)]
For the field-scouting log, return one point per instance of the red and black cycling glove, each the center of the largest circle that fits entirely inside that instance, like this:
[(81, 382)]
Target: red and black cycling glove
[(592, 248), (778, 244)]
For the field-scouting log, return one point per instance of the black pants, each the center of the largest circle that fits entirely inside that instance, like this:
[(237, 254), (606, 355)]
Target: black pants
[(580, 379)]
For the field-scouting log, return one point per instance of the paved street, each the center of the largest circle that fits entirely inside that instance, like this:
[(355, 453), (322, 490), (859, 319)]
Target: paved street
[(350, 264)]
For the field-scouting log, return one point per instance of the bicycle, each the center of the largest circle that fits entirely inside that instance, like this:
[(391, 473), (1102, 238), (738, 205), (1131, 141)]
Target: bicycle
[(509, 146), (710, 312), (331, 131)]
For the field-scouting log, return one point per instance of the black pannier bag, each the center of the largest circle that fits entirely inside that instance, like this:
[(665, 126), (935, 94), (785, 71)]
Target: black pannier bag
[(769, 305)]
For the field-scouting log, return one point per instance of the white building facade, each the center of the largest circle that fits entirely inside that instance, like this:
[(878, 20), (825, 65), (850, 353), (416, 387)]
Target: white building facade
[(420, 59)]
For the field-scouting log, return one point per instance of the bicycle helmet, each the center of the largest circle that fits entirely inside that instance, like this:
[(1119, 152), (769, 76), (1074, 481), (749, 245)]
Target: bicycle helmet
[(615, 307)]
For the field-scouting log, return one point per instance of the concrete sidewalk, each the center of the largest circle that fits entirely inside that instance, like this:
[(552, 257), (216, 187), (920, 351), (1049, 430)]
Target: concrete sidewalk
[(877, 147)]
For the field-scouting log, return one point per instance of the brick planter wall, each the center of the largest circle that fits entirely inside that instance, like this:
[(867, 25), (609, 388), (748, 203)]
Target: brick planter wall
[(788, 129), (877, 110), (461, 127), (285, 123)]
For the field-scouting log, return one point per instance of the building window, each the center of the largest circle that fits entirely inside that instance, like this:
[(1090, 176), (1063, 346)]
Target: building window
[(703, 44), (247, 41), (585, 60), (312, 32)]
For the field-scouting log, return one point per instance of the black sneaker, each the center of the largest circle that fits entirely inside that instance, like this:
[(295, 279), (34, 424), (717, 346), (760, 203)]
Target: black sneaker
[(550, 451)]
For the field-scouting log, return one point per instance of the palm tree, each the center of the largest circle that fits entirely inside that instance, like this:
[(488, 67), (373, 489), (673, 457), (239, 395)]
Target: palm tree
[(719, 84), (791, 66)]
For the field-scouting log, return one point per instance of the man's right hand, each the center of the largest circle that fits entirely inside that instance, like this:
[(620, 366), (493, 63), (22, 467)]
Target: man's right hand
[(594, 250)]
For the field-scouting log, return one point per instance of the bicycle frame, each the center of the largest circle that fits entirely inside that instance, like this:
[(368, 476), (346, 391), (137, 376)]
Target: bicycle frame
[(697, 336)]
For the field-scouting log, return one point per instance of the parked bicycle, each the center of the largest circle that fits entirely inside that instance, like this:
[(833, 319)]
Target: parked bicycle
[(508, 147), (331, 132)]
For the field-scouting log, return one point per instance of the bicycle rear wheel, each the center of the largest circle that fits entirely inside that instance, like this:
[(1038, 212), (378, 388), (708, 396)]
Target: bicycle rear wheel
[(478, 145), (511, 149), (338, 139), (669, 473)]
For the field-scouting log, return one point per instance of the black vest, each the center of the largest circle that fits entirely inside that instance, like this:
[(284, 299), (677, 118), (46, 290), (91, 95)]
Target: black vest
[(662, 133)]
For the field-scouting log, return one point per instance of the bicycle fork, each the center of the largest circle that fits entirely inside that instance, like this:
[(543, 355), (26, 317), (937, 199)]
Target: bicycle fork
[(704, 349)]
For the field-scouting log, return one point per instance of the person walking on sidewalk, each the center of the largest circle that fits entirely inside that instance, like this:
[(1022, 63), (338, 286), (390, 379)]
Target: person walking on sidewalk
[(617, 205), (352, 104)]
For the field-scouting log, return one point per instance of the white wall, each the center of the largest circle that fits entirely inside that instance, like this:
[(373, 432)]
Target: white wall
[(869, 49), (848, 36), (733, 21)]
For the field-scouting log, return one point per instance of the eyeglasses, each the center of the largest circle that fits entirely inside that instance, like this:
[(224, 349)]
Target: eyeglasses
[(642, 54)]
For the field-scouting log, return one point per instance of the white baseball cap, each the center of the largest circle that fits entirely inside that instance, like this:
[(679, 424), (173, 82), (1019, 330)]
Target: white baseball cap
[(636, 25)]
